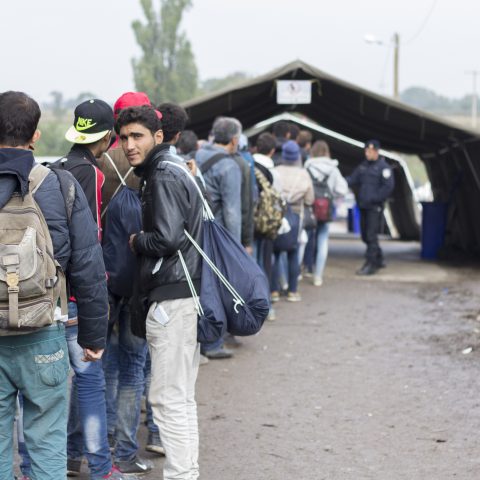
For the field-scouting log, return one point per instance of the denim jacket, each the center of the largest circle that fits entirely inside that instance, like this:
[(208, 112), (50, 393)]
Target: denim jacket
[(224, 185)]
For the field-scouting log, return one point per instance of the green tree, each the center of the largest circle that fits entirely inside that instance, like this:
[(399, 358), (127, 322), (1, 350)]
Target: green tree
[(57, 106), (52, 143), (211, 85), (166, 71)]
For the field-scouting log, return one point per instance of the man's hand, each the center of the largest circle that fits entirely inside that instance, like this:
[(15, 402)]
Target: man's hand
[(130, 242), (92, 355), (249, 250)]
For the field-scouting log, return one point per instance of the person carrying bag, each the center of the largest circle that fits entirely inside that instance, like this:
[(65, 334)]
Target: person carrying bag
[(297, 187)]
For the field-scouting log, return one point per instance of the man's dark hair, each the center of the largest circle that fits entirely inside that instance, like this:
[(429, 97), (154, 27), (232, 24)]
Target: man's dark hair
[(174, 119), (144, 115), (265, 143), (188, 142), (281, 129), (294, 131), (19, 117)]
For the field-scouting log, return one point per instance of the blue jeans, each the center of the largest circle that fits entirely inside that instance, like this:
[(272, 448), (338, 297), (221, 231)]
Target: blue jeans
[(263, 254), (293, 271), (36, 365), (322, 249), (110, 367), (87, 422), (130, 353), (25, 464), (309, 255)]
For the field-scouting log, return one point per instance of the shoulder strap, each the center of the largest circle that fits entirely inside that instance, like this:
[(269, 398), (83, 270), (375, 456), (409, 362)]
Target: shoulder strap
[(67, 187), (122, 179), (315, 178), (123, 183), (312, 176), (37, 175), (206, 208), (262, 179), (212, 161), (324, 181)]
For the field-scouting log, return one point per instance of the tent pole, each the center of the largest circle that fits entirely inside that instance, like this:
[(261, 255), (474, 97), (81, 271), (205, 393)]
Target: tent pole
[(470, 164)]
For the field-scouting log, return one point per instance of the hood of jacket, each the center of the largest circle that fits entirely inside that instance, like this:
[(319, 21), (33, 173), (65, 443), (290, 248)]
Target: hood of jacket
[(263, 160), (15, 166), (321, 166)]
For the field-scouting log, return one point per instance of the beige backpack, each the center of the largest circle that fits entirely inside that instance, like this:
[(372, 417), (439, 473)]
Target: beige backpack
[(31, 280)]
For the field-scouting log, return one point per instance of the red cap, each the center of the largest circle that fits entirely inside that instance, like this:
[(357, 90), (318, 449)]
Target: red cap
[(130, 99)]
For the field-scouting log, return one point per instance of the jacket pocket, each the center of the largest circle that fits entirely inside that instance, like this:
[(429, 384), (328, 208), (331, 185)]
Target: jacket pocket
[(52, 367)]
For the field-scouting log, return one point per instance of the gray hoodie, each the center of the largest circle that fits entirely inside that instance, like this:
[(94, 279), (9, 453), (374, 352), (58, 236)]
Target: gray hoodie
[(321, 167)]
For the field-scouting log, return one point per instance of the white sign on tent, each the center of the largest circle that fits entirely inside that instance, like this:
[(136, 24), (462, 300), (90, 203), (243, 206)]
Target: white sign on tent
[(294, 92)]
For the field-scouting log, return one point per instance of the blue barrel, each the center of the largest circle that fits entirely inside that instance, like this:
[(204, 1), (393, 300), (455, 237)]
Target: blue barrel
[(354, 220), (434, 222)]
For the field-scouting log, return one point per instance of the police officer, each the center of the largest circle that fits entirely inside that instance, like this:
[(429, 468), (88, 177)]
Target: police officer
[(374, 181)]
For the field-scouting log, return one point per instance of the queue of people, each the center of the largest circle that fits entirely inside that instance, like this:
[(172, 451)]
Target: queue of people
[(127, 322)]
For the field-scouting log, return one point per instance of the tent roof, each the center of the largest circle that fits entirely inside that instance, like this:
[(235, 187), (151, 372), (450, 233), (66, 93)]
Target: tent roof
[(337, 105), (451, 154)]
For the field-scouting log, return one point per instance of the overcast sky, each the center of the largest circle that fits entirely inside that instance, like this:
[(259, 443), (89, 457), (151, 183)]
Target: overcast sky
[(74, 46)]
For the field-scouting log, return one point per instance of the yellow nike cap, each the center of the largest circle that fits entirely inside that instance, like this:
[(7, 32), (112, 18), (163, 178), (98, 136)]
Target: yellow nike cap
[(93, 120)]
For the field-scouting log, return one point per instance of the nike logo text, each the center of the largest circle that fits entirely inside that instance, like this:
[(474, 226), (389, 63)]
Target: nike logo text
[(84, 124)]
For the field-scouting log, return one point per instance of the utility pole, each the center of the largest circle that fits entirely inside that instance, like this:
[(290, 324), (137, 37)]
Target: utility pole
[(474, 74), (396, 55), (369, 38)]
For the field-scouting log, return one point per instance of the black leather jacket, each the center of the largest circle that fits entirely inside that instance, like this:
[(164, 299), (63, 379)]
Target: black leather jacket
[(171, 204)]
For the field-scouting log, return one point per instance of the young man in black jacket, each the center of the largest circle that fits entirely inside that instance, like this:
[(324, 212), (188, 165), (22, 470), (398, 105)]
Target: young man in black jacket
[(171, 204)]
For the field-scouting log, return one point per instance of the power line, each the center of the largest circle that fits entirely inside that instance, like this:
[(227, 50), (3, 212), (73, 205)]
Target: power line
[(423, 25)]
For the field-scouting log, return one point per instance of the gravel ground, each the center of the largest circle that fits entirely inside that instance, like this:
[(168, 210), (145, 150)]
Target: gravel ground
[(364, 379)]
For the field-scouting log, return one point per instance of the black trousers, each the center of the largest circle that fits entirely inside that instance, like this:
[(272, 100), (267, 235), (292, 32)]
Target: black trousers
[(371, 223)]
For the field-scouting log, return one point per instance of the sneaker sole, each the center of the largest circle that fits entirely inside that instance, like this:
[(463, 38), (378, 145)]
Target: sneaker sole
[(136, 474), (155, 449)]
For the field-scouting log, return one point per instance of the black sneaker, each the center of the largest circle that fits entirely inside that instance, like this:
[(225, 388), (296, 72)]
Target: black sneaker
[(232, 341), (154, 444), (73, 467), (111, 442), (116, 474), (136, 465), (367, 269), (218, 354)]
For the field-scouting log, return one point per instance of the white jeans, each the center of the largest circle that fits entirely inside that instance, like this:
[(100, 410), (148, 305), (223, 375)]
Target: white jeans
[(175, 354)]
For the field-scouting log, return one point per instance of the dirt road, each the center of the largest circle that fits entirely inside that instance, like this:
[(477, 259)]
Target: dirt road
[(365, 379), (362, 380)]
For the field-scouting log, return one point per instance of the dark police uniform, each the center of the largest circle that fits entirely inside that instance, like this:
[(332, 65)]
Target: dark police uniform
[(374, 181)]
